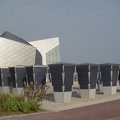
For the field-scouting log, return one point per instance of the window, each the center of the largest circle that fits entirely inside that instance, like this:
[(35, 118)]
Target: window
[(53, 56)]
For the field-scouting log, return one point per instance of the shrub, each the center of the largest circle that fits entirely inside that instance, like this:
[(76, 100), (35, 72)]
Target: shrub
[(8, 103), (35, 94), (27, 102)]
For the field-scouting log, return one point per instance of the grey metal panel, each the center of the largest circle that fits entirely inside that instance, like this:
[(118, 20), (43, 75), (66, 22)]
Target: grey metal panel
[(39, 74), (38, 58), (29, 72), (87, 74), (21, 78), (14, 37), (109, 72), (62, 75), (105, 74), (6, 78), (18, 75), (0, 78), (83, 80), (115, 75), (56, 75), (57, 81), (68, 77), (20, 72), (12, 73), (93, 76)]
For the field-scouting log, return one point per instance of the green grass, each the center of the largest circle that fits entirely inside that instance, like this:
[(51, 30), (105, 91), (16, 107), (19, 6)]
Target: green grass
[(11, 104)]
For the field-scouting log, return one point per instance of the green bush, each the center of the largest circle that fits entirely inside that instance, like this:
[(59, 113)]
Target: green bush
[(8, 103), (24, 106), (35, 94), (28, 106), (27, 102)]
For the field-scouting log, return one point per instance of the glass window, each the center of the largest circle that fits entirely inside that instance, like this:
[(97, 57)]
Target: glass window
[(53, 56)]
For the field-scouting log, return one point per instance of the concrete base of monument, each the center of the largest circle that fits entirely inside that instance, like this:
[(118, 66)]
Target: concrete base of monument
[(5, 89), (108, 90), (18, 91), (87, 93), (101, 88), (62, 97), (118, 84)]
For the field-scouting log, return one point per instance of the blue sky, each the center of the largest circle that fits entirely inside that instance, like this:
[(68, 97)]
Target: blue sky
[(89, 30)]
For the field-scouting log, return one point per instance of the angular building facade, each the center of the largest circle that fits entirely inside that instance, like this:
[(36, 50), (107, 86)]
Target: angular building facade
[(16, 51), (49, 49)]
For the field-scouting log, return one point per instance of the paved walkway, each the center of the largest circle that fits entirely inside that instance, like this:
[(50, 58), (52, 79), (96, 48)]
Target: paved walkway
[(99, 108), (102, 111)]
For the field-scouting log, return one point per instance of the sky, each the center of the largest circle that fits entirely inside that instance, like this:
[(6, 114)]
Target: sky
[(89, 30)]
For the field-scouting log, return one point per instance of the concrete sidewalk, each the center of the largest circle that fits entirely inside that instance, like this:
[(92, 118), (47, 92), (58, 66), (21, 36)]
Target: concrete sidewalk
[(102, 111), (76, 101)]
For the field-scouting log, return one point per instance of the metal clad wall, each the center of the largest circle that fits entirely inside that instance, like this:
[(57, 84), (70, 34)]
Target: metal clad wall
[(20, 76), (83, 80), (0, 78), (6, 76), (40, 75), (93, 76), (105, 73), (12, 73), (56, 74), (68, 80), (18, 53), (29, 72), (115, 75)]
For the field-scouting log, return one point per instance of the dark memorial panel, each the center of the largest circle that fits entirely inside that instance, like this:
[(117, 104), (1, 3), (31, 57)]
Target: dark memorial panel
[(40, 69), (40, 75), (12, 73), (69, 69), (93, 80), (56, 73), (83, 78), (105, 68), (0, 78), (94, 69), (68, 81), (57, 81), (20, 70), (82, 68), (68, 88), (68, 78), (106, 74), (119, 76), (83, 86), (40, 79), (21, 78), (93, 76), (82, 75), (57, 88), (115, 75), (55, 68), (6, 78), (29, 72)]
